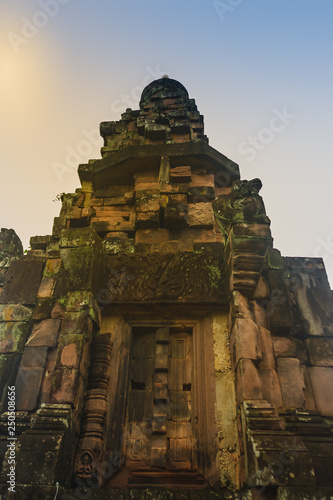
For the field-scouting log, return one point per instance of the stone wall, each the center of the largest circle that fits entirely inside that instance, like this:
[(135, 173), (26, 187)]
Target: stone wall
[(162, 233)]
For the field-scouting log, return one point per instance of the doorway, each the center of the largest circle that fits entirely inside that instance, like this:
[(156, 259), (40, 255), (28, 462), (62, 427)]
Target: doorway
[(158, 425)]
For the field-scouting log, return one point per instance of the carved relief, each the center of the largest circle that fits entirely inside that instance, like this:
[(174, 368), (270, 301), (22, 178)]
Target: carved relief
[(168, 277)]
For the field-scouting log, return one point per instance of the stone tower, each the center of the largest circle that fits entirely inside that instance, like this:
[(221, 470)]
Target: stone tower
[(156, 344)]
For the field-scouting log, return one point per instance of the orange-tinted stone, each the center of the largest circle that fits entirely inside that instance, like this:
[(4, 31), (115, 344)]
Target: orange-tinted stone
[(270, 386), (248, 382)]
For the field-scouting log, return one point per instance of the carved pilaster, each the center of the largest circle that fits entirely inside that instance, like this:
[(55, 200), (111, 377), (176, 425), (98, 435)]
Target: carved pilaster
[(90, 449)]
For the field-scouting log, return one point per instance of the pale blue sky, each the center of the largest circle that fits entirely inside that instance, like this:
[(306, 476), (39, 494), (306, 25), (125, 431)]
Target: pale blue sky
[(244, 62)]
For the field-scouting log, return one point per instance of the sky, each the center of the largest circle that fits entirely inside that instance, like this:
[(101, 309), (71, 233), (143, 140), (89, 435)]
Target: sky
[(260, 72)]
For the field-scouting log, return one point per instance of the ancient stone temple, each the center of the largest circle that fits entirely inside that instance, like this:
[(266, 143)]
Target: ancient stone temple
[(156, 344)]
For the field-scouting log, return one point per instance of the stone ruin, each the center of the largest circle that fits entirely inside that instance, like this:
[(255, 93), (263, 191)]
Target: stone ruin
[(158, 345)]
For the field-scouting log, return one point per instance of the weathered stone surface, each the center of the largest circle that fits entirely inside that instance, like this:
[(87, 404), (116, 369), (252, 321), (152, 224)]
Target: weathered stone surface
[(78, 237), (180, 174), (260, 316), (64, 388), (72, 350), (175, 217), (151, 236), (43, 308), (46, 287), (278, 308), (82, 266), (13, 336), (289, 493), (9, 364), (301, 351), (45, 333), (147, 220), (322, 384), (313, 296), (22, 281), (83, 301), (34, 357), (75, 323), (241, 306), (321, 351), (262, 291), (28, 383), (284, 347), (14, 312), (10, 249), (266, 344), (270, 386), (58, 311), (164, 277), (200, 215), (245, 343), (291, 381), (248, 382), (310, 403)]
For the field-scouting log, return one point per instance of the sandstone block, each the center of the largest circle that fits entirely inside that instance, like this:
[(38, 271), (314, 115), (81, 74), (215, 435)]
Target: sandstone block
[(322, 384), (115, 190), (175, 217), (279, 309), (200, 215), (34, 357), (214, 248), (46, 287), (13, 336), (270, 386), (28, 383), (52, 266), (83, 301), (78, 237), (248, 382), (222, 191), (58, 225), (43, 308), (284, 347), (180, 174), (262, 290), (266, 344), (321, 351), (58, 311), (147, 220), (241, 306), (259, 313), (151, 236), (22, 287), (301, 351), (202, 179), (199, 194), (74, 323), (245, 343), (115, 200), (14, 312), (147, 203), (259, 230), (115, 244), (64, 387), (291, 381), (45, 333), (310, 403)]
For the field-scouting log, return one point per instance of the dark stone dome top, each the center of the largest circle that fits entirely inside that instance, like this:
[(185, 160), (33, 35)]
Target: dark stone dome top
[(163, 87)]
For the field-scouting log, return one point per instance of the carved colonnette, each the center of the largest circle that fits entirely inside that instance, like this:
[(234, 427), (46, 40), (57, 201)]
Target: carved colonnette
[(91, 447)]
